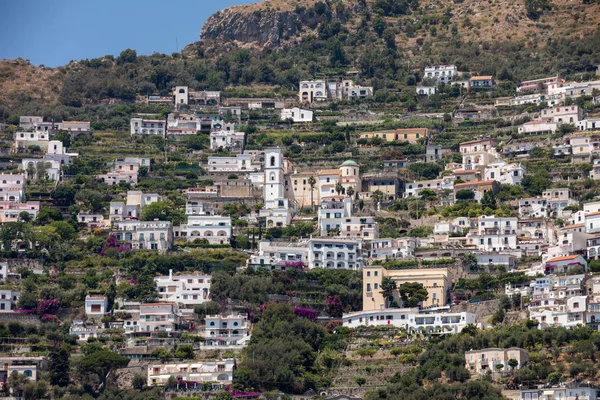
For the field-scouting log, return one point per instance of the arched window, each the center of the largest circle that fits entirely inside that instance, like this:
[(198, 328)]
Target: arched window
[(28, 373), (181, 90), (272, 161), (212, 323), (272, 176)]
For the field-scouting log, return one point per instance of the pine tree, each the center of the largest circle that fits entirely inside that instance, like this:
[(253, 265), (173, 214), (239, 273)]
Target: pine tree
[(58, 367)]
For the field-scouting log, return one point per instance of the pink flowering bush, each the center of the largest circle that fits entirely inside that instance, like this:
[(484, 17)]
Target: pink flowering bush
[(49, 307), (334, 306), (306, 313), (112, 246), (294, 264)]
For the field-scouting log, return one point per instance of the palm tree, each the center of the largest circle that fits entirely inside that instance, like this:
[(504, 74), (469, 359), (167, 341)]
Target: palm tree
[(312, 182), (350, 191), (377, 196), (339, 188)]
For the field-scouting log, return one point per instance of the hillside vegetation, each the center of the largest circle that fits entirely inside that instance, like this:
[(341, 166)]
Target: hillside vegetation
[(274, 44)]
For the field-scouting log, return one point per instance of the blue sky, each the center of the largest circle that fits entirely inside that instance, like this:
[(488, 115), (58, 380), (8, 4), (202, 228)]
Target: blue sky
[(54, 32)]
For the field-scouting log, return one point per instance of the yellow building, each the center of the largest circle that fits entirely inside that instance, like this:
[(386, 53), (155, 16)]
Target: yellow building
[(435, 280), (411, 135)]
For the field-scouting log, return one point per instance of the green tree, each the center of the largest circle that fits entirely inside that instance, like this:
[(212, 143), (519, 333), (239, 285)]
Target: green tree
[(412, 294), (163, 211), (388, 286), (427, 194), (339, 188), (535, 8), (64, 137), (207, 308), (138, 382), (350, 191), (16, 382), (465, 195), (379, 25), (498, 317), (513, 363), (91, 199), (58, 367), (337, 57), (185, 351), (64, 229), (100, 363), (489, 200), (377, 196)]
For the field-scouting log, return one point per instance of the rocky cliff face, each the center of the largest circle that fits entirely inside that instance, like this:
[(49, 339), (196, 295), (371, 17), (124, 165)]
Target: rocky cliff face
[(264, 26)]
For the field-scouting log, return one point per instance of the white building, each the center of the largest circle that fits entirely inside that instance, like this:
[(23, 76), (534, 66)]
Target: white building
[(30, 366), (48, 167), (503, 173), (573, 391), (218, 373), (311, 91), (25, 140), (229, 140), (441, 73), (589, 124), (495, 233), (144, 235), (231, 330), (332, 211), (28, 122), (495, 359), (238, 163), (11, 211), (426, 90), (535, 207), (214, 228), (335, 254), (125, 170), (411, 319), (358, 92), (274, 255), (91, 220), (188, 290), (538, 127), (563, 114), (82, 331), (392, 248), (8, 299), (140, 126), (296, 114), (365, 228), (159, 317), (277, 209), (74, 126), (12, 187), (412, 189), (96, 306)]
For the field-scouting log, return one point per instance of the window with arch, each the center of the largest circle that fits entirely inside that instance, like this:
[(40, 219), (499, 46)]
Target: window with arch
[(272, 161)]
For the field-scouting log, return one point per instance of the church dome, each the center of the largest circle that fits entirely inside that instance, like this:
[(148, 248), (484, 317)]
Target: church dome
[(349, 163)]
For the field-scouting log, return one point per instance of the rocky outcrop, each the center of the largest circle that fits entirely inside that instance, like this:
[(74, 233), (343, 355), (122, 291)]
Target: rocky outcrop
[(263, 26)]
